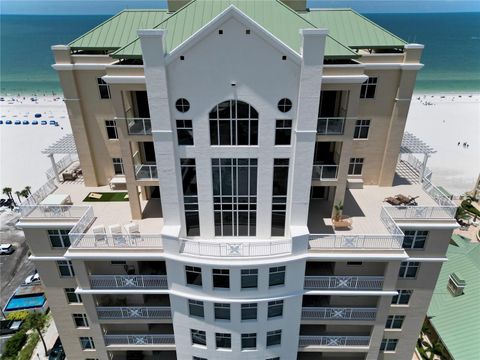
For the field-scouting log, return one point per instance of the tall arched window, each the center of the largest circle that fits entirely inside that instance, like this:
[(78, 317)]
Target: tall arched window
[(233, 122)]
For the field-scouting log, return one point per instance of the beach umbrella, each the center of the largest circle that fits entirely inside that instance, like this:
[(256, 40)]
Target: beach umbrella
[(37, 115)]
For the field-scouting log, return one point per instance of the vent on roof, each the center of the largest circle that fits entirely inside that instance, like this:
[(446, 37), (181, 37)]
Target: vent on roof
[(455, 285)]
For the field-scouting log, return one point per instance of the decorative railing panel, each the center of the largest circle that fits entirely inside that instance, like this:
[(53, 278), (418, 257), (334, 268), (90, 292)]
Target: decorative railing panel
[(338, 313), (236, 249), (39, 195), (330, 125), (106, 241), (333, 341), (140, 339), (128, 281), (139, 126), (332, 241), (325, 172), (146, 172), (343, 282), (134, 312)]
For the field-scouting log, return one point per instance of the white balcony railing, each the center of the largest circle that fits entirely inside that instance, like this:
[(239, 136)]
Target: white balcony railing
[(325, 172), (330, 125), (128, 281), (138, 126), (34, 199), (235, 249), (133, 312), (146, 172), (61, 165), (108, 241), (52, 211), (338, 313), (332, 241), (343, 282), (333, 341), (140, 339)]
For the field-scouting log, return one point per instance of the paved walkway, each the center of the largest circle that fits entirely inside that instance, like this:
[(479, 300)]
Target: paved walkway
[(50, 336)]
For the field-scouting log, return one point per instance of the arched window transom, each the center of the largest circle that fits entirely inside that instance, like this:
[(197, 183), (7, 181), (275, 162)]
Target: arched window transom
[(233, 122)]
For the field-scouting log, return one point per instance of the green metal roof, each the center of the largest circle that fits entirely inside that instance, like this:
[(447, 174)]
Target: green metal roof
[(457, 319), (277, 18), (119, 30), (353, 29)]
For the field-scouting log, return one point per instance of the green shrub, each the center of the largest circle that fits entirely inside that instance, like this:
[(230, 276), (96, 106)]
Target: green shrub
[(27, 351), (13, 345), (467, 205), (18, 315)]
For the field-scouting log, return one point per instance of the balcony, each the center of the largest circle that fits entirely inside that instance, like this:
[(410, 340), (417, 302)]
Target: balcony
[(343, 282), (330, 125), (139, 340), (128, 282), (337, 241), (134, 312), (338, 313), (334, 341), (325, 172), (146, 172), (236, 249), (139, 126), (117, 241)]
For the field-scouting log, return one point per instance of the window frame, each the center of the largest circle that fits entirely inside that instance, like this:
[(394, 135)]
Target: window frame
[(182, 105), (386, 343), (222, 311), (61, 235), (360, 126), (198, 335), (223, 337), (118, 162), (188, 169), (367, 85), (275, 309), (353, 164), (102, 84), (406, 266), (248, 309), (193, 270), (394, 322), (284, 105), (65, 264), (196, 305), (111, 125), (414, 237), (273, 272), (276, 335), (246, 277), (87, 343), (184, 126), (78, 297), (247, 337), (80, 320), (278, 226), (402, 294), (283, 128), (221, 278)]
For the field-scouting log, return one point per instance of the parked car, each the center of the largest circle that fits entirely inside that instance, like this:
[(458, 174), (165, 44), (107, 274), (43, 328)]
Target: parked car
[(32, 278), (6, 249), (57, 352)]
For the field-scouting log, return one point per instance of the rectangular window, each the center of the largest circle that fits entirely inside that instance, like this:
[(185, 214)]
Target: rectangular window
[(87, 343), (103, 88), (118, 262), (59, 238), (111, 127), (198, 337), (279, 196), (368, 88), (274, 337), (118, 166), (249, 341), (354, 263), (361, 129), (276, 276), (235, 196), (194, 275), (80, 320), (184, 132), (275, 308), (394, 321), (222, 311), (249, 278), (65, 268), (195, 308), (72, 298), (355, 166), (223, 341), (388, 344), (198, 358), (403, 297), (221, 278), (283, 132), (414, 239), (190, 196), (408, 269), (249, 311)]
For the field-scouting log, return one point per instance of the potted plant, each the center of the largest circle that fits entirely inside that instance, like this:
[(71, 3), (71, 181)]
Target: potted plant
[(339, 220)]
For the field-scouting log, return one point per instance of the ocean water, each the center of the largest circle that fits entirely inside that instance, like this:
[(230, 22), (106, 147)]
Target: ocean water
[(451, 56)]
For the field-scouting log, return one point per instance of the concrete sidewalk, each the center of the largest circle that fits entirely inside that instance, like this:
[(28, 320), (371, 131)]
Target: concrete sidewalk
[(50, 336)]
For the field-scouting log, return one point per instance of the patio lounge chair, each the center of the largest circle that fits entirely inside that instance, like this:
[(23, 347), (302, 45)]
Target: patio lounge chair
[(407, 200), (392, 201), (117, 234), (134, 231), (99, 234)]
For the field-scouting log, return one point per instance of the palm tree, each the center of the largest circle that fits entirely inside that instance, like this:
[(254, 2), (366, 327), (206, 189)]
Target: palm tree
[(37, 321), (434, 349), (18, 193), (338, 211), (24, 193), (7, 191), (28, 188)]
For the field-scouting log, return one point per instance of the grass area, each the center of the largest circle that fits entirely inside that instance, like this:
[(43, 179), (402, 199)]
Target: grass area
[(107, 196), (27, 350)]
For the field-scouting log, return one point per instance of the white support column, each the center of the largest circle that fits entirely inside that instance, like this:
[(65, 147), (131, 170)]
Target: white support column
[(424, 166), (162, 131), (305, 134), (54, 166)]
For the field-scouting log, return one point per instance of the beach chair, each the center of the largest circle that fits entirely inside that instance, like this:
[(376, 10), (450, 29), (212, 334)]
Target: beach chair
[(25, 122), (1, 122), (133, 230), (392, 201), (406, 200), (99, 234), (117, 235), (34, 122), (43, 122)]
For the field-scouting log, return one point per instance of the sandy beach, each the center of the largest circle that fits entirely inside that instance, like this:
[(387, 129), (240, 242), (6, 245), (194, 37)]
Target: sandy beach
[(441, 120), (21, 160)]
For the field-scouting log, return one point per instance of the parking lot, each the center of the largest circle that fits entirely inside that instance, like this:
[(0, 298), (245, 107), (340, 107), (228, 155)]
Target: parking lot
[(14, 268)]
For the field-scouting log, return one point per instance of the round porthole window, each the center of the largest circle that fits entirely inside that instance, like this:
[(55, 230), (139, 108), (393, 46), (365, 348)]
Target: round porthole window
[(285, 105), (182, 105)]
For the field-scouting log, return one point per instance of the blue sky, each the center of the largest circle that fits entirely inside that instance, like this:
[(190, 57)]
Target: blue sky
[(61, 7)]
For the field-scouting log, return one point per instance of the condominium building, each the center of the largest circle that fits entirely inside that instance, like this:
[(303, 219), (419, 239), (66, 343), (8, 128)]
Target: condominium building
[(255, 143)]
